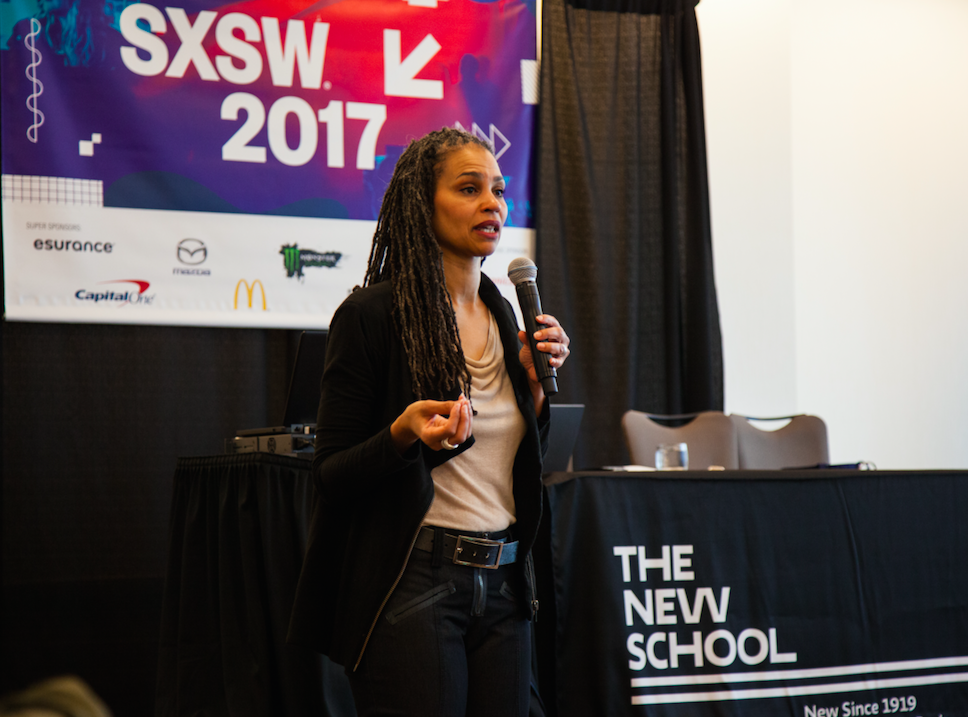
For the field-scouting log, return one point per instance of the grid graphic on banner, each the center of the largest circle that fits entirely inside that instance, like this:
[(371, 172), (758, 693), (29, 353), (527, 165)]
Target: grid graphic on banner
[(53, 190)]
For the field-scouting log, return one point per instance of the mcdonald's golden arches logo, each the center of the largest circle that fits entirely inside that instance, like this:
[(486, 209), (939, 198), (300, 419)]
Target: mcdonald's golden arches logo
[(249, 291)]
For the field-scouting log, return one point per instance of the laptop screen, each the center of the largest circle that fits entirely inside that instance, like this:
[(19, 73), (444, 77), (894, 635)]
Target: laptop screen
[(565, 421), (302, 402)]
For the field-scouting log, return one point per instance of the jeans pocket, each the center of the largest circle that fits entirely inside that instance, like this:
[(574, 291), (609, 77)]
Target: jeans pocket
[(508, 592), (420, 602)]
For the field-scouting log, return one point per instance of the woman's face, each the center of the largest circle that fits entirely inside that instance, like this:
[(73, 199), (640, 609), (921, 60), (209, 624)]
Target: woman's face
[(469, 206)]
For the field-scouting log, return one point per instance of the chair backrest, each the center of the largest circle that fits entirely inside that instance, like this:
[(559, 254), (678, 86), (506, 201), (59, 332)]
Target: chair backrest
[(710, 436), (801, 443)]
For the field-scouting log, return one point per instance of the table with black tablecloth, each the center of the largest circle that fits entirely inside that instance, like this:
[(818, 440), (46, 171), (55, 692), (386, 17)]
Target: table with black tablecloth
[(752, 593), (238, 532), (728, 594)]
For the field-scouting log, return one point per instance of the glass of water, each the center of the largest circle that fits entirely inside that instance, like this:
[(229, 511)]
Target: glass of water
[(672, 457)]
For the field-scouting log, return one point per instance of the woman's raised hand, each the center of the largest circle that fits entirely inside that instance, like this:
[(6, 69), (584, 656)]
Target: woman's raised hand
[(433, 422)]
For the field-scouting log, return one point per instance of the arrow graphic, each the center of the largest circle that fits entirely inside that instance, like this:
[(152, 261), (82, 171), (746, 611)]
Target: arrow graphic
[(399, 75), (493, 137)]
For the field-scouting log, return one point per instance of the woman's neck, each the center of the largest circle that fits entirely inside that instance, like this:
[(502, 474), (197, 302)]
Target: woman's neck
[(470, 312), (463, 280)]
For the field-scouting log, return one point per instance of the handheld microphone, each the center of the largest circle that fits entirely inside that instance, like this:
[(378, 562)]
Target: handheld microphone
[(522, 273)]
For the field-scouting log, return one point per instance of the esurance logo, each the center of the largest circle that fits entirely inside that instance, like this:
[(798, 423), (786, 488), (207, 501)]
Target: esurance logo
[(122, 296), (191, 252), (76, 245), (249, 292), (296, 259)]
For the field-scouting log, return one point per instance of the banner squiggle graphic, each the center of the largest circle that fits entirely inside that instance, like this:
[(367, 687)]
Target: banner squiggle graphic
[(31, 73)]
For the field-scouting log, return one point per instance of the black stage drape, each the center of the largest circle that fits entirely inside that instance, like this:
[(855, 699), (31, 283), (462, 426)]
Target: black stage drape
[(623, 231), (94, 418)]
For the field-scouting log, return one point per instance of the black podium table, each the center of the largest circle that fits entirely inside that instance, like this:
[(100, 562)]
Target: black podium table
[(748, 593), (729, 594), (238, 532)]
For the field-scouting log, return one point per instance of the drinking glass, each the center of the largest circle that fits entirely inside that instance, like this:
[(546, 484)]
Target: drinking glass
[(672, 457)]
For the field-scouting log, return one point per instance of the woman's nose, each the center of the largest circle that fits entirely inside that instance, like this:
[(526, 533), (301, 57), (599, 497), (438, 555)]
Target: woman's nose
[(491, 202)]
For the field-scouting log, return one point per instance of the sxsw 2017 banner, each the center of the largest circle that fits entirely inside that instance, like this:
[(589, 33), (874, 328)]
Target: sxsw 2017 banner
[(223, 164)]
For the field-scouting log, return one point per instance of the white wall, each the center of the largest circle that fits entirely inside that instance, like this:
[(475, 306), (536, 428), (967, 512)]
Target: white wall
[(746, 80), (838, 159)]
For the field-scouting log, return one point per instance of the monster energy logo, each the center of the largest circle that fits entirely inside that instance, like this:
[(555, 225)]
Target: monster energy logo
[(296, 259)]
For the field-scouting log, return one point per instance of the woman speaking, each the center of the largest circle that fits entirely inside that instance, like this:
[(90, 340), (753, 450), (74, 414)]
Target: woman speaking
[(431, 430)]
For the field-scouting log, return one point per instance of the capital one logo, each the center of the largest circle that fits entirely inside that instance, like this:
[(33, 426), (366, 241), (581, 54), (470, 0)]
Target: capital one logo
[(192, 251), (249, 291), (120, 298)]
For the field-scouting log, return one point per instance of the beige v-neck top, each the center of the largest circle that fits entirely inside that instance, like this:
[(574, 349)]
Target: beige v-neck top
[(472, 491)]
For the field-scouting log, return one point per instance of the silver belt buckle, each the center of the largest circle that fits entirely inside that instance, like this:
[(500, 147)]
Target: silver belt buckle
[(469, 549)]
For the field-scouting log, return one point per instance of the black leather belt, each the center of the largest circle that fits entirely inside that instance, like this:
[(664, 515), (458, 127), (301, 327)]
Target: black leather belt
[(470, 550)]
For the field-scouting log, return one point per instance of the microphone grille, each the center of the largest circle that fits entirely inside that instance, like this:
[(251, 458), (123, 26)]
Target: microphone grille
[(522, 269)]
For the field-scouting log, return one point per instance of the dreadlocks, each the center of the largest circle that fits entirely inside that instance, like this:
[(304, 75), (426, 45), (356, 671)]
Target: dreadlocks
[(405, 252)]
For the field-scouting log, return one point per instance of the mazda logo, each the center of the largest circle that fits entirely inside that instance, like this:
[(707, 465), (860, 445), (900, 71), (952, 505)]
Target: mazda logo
[(192, 251)]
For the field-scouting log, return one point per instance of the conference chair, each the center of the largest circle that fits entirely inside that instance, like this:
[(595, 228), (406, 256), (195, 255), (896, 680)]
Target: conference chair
[(710, 437), (802, 443)]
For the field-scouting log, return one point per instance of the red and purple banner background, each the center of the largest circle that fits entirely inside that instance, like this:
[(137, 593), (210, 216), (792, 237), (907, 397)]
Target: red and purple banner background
[(262, 132)]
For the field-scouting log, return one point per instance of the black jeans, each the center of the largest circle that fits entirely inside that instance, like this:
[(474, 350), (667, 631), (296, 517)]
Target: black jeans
[(452, 641)]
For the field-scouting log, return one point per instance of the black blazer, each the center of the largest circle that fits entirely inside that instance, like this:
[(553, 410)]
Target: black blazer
[(370, 500)]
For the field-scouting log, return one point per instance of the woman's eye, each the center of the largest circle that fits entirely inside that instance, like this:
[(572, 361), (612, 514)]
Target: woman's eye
[(499, 192)]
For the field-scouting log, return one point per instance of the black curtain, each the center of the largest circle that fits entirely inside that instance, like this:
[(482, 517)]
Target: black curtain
[(623, 233), (94, 418)]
